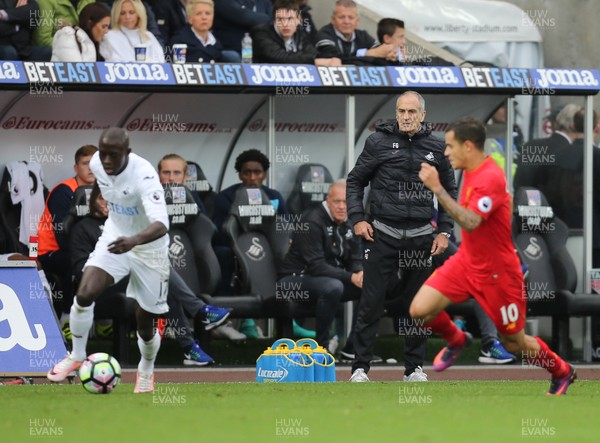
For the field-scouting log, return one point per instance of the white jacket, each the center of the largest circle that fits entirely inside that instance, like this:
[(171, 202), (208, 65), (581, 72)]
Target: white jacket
[(118, 46), (66, 49)]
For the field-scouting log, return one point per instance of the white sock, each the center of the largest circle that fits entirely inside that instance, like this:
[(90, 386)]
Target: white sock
[(148, 350), (80, 322)]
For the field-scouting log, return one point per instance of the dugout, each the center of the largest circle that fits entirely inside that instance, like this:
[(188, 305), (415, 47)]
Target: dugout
[(295, 113)]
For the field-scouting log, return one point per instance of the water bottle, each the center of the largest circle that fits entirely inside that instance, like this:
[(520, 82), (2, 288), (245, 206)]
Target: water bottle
[(247, 48)]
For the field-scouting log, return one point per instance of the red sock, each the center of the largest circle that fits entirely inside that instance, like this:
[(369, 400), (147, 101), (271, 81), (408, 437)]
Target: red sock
[(550, 361), (444, 326)]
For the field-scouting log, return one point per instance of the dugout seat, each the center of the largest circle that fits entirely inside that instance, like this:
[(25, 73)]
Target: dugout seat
[(257, 246), (191, 253), (310, 187), (540, 238), (197, 182)]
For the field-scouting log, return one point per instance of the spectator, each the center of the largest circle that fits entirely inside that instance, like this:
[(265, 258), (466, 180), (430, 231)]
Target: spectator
[(571, 182), (544, 161), (202, 46), (151, 24), (233, 18), (342, 39), (53, 247), (171, 16), (16, 28), (325, 260), (390, 31), (83, 239), (307, 21), (81, 44), (56, 14), (400, 235), (129, 30), (286, 41), (172, 169)]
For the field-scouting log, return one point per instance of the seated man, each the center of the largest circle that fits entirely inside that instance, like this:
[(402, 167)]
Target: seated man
[(83, 239), (170, 16), (325, 260), (53, 247), (16, 29), (342, 39), (202, 46), (251, 166), (286, 42), (234, 18), (390, 31), (173, 169)]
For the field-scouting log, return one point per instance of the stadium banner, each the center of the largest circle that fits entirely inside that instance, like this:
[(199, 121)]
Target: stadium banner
[(154, 74), (12, 72), (426, 77), (358, 76), (31, 342), (276, 75), (61, 72), (524, 81), (217, 74)]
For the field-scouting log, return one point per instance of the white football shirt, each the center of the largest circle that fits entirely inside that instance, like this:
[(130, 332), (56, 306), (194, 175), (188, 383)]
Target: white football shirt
[(135, 198)]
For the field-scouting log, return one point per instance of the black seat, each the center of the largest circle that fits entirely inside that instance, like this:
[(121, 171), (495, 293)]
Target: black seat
[(197, 182), (191, 253), (541, 238), (310, 187), (112, 304), (256, 244), (80, 207)]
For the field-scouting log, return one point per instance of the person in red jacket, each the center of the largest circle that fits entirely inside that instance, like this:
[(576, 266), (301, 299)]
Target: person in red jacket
[(53, 251)]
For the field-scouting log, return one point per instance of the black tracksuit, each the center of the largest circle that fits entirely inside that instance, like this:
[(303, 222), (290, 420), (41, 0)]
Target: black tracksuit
[(319, 265), (390, 163)]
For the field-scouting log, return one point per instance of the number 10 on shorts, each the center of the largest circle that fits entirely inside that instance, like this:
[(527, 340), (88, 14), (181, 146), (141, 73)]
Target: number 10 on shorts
[(510, 313)]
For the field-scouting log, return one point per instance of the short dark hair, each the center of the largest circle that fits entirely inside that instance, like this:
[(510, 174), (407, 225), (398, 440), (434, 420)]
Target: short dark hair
[(251, 155), (287, 5), (387, 26), (85, 151), (579, 120), (469, 128)]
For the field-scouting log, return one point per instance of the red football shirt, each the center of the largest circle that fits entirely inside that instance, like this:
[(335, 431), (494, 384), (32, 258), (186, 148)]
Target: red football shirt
[(488, 250)]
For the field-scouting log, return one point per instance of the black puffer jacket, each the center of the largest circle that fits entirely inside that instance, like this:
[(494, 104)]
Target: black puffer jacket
[(391, 162), (323, 248), (269, 47)]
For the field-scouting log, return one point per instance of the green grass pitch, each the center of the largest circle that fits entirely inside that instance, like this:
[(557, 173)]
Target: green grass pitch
[(471, 411)]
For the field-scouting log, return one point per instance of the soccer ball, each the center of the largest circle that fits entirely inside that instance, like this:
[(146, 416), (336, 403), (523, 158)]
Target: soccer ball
[(100, 373)]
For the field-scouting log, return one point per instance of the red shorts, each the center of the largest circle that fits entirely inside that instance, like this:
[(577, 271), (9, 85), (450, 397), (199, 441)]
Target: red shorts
[(500, 295)]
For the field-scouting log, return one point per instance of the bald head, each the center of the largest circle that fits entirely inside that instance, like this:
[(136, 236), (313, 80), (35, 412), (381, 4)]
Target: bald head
[(114, 150), (117, 137)]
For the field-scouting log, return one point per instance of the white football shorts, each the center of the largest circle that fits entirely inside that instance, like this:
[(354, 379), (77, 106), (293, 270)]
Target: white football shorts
[(148, 272)]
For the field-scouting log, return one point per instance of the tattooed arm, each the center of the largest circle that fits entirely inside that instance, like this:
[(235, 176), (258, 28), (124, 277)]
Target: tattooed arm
[(466, 218)]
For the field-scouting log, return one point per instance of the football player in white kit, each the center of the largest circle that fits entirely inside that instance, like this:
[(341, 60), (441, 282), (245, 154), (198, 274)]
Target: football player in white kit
[(134, 243)]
